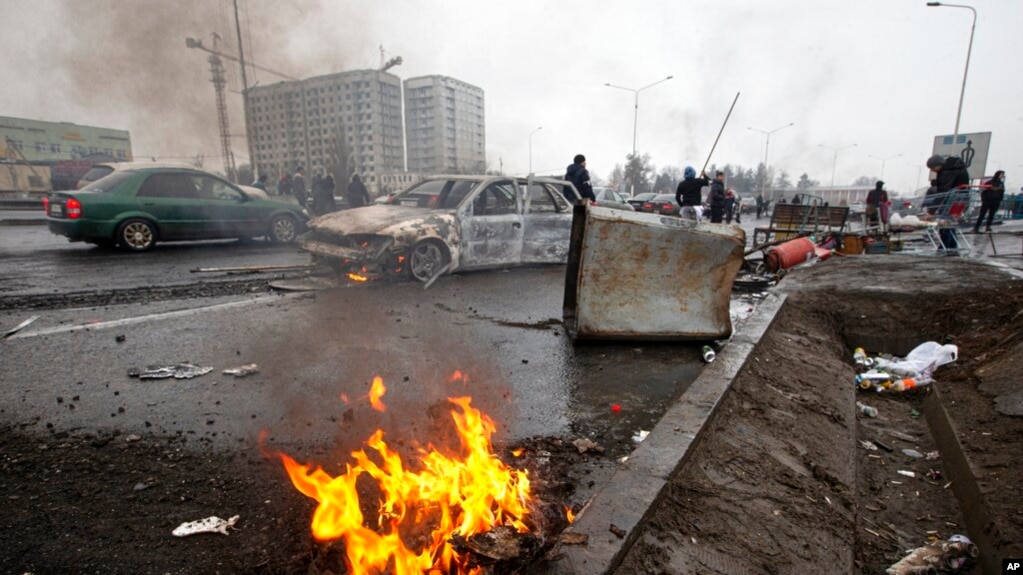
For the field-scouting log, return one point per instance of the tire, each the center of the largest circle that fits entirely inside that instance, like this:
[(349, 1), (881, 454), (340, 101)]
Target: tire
[(426, 258), (283, 229), (136, 235)]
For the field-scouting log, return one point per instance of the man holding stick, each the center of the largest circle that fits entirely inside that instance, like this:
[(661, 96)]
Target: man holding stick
[(689, 194)]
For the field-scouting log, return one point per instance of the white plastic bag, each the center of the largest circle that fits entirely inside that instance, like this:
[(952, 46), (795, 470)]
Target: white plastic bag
[(922, 361)]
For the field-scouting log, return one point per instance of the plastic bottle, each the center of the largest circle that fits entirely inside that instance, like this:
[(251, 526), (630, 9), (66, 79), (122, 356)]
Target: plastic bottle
[(866, 409), (909, 383), (872, 378), (708, 354), (861, 359)]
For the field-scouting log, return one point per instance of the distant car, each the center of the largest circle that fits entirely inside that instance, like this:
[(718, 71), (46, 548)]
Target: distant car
[(447, 223), (135, 208), (610, 196), (638, 200), (663, 204)]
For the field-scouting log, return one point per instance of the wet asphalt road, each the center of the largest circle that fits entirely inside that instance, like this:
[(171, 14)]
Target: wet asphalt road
[(34, 261), (501, 328)]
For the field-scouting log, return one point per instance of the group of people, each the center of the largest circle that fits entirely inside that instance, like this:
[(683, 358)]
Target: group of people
[(723, 202), (319, 197)]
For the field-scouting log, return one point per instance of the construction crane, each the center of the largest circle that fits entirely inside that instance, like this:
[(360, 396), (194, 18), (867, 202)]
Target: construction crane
[(219, 85), (385, 66)]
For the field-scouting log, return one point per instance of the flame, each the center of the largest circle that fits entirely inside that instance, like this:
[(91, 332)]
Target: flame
[(376, 391), (518, 452), (344, 398), (422, 503), (357, 278), (569, 515)]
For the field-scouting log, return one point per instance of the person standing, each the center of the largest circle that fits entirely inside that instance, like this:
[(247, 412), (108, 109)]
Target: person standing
[(738, 206), (990, 198), (284, 185), (876, 200), (298, 186), (951, 174), (579, 176), (260, 182), (689, 194), (729, 205), (760, 205), (358, 196), (327, 202), (717, 198)]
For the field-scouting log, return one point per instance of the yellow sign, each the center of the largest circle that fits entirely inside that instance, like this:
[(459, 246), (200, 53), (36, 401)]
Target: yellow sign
[(73, 136)]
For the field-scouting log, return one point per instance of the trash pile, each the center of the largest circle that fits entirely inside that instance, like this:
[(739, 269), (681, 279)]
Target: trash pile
[(885, 373), (957, 555)]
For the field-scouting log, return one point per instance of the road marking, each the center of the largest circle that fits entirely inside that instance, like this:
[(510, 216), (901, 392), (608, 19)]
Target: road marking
[(145, 318)]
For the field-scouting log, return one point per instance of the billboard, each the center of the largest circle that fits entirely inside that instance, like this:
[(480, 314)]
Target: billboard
[(972, 148)]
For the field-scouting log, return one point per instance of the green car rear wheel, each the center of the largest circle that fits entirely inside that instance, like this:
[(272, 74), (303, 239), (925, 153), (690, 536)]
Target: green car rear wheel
[(136, 235)]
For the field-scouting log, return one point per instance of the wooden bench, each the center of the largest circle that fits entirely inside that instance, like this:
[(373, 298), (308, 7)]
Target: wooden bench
[(791, 220)]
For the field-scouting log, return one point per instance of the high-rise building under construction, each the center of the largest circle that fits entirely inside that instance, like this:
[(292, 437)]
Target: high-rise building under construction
[(339, 123), (444, 126)]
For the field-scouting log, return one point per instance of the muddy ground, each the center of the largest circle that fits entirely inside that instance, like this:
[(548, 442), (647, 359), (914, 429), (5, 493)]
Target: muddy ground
[(782, 483)]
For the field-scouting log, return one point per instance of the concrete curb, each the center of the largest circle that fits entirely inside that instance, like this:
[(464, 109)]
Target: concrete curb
[(639, 484)]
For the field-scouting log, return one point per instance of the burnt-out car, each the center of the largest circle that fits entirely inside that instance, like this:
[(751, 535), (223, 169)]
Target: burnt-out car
[(448, 223)]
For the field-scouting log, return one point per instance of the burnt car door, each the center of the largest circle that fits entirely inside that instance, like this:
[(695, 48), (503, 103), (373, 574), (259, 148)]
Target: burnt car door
[(491, 226), (547, 223)]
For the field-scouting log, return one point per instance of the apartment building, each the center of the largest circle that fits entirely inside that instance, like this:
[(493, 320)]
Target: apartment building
[(445, 126)]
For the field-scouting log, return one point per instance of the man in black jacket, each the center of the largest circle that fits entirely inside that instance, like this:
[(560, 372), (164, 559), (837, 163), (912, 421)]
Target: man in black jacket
[(358, 196), (580, 178), (951, 173), (689, 194)]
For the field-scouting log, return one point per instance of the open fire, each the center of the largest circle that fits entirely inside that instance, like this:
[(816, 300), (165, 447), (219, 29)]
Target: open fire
[(427, 503)]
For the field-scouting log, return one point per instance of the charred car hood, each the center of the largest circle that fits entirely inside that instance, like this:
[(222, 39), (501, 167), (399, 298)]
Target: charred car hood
[(374, 219)]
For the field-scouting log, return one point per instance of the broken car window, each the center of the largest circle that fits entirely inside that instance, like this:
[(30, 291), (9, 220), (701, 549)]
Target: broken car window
[(497, 199), (540, 200), (435, 194)]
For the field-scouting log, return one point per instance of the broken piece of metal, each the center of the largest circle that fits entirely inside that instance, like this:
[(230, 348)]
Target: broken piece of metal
[(649, 277), (212, 524), (19, 327), (179, 371), (266, 268), (242, 371)]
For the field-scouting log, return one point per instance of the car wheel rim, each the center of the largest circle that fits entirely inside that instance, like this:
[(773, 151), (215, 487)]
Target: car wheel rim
[(426, 260), (284, 229), (138, 235)]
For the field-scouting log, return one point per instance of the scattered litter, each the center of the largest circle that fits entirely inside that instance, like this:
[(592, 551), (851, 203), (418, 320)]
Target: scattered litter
[(640, 436), (616, 408), (932, 456), (142, 486), (707, 353), (883, 445), (569, 538), (956, 555), (179, 371), (934, 474), (903, 436), (868, 445), (212, 524), (896, 482), (623, 459), (19, 327), (120, 339), (914, 414), (905, 473), (132, 438), (913, 453), (584, 444), (866, 409), (886, 373), (242, 371), (618, 531)]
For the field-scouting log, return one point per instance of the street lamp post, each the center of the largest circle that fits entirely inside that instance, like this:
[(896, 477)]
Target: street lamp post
[(834, 162), (969, 50), (635, 113), (884, 161), (767, 148), (531, 148)]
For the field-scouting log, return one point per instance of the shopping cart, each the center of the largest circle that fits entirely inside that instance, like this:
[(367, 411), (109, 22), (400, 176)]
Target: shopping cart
[(948, 211)]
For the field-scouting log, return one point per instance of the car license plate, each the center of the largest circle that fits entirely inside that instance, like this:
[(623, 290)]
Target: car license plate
[(56, 210), (410, 203)]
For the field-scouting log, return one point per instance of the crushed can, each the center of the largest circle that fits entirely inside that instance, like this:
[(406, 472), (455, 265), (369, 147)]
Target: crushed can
[(707, 353)]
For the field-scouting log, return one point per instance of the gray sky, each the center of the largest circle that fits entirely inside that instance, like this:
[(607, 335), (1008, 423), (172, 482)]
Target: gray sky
[(883, 74)]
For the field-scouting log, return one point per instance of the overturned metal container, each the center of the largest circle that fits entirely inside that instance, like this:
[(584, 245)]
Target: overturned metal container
[(645, 276)]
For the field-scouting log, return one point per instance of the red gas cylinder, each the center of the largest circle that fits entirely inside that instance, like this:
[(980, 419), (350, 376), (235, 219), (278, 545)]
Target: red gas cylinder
[(788, 254)]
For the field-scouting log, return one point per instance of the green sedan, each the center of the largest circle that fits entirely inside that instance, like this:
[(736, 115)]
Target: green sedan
[(138, 207)]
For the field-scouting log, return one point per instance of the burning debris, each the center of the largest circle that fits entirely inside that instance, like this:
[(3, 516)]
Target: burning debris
[(460, 510)]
